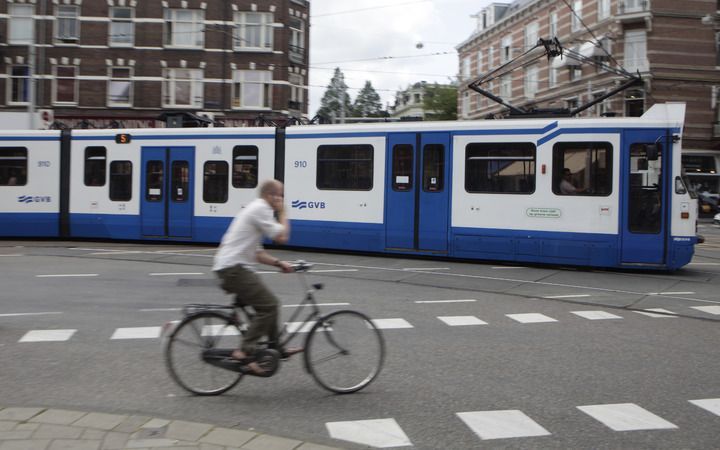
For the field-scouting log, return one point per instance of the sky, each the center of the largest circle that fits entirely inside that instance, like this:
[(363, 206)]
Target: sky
[(391, 43)]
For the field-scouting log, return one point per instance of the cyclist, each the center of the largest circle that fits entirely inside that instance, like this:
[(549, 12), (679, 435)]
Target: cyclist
[(239, 252)]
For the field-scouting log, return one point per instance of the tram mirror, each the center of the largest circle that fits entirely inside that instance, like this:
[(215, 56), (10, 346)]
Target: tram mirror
[(652, 151)]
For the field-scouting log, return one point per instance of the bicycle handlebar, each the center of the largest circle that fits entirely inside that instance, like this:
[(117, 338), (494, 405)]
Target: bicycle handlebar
[(300, 265)]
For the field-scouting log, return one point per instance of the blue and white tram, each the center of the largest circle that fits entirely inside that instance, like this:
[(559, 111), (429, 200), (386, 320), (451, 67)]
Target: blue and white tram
[(603, 192)]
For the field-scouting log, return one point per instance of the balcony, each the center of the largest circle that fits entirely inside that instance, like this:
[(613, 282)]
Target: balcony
[(296, 54), (633, 11)]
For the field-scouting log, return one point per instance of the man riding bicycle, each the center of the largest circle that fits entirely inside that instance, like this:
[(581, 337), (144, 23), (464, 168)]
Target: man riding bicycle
[(239, 252)]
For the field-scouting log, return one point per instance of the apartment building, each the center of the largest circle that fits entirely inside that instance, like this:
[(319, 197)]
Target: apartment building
[(672, 45), (140, 63)]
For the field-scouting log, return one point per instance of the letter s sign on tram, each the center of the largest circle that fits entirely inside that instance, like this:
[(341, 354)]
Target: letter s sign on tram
[(122, 138)]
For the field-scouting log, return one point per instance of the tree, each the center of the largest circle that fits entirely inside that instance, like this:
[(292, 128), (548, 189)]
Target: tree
[(367, 103), (440, 102), (335, 102)]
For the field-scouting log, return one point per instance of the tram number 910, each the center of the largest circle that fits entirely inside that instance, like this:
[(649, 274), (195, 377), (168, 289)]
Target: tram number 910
[(300, 164)]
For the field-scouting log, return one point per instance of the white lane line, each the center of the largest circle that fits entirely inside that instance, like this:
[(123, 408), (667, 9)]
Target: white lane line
[(385, 324), (595, 315), (219, 330), (116, 252), (708, 404), (378, 433), (159, 309), (163, 274), (12, 255), (29, 314), (501, 424), (703, 264), (626, 417), (426, 268), (137, 333), (670, 293), (299, 327), (67, 275), (567, 296), (507, 267), (319, 304), (333, 270), (708, 309), (458, 321), (462, 300), (653, 312), (531, 318), (47, 335)]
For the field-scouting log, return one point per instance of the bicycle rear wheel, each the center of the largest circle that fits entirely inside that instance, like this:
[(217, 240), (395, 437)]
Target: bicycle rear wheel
[(186, 346), (344, 351)]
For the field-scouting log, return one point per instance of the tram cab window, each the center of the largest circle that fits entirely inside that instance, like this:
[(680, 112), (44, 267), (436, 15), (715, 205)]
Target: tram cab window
[(95, 166), (13, 166), (215, 182), (245, 166), (120, 181), (503, 168), (345, 167), (582, 168)]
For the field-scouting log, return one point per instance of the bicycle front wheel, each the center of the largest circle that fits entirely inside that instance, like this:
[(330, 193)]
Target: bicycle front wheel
[(190, 342), (344, 351)]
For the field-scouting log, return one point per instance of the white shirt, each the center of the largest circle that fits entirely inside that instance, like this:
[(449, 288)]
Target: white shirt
[(567, 188), (243, 238)]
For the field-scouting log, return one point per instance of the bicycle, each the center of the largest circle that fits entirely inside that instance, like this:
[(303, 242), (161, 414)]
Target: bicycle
[(344, 351)]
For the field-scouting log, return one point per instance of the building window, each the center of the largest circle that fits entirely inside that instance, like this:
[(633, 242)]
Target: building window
[(506, 86), (297, 40), (120, 181), (21, 26), (215, 182), (253, 30), (19, 85), (245, 166), (532, 35), (122, 29), (345, 167), (65, 85), (531, 81), (603, 9), (252, 89), (465, 70), (577, 15), (600, 108), (552, 76), (67, 24), (13, 166), (183, 88), (120, 86), (506, 49), (507, 168), (553, 25), (479, 62), (631, 6), (297, 92), (95, 159), (582, 168), (634, 103), (636, 51), (184, 28), (466, 105)]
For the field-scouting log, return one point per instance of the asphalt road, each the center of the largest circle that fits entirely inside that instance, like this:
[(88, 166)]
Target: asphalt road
[(479, 356)]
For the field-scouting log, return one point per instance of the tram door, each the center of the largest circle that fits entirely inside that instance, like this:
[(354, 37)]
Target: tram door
[(167, 187), (418, 192), (645, 196)]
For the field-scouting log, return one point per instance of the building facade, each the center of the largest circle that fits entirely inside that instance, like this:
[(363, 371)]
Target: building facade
[(410, 103), (136, 63), (672, 45)]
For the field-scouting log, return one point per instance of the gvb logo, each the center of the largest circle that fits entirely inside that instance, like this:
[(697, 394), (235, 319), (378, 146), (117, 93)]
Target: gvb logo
[(302, 204), (34, 199)]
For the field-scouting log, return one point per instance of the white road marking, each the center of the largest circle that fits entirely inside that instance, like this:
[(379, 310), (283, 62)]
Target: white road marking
[(391, 323), (653, 312), (160, 309), (13, 255), (300, 327), (116, 252), (64, 275), (137, 333), (463, 300), (507, 267), (162, 274), (426, 268), (47, 335), (531, 318), (29, 314), (708, 404), (501, 424), (219, 330), (319, 304), (626, 417), (378, 433), (595, 315), (456, 321), (703, 264), (708, 309), (670, 293), (332, 270), (567, 296)]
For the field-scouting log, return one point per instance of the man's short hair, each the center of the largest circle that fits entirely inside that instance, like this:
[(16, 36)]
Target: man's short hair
[(269, 187)]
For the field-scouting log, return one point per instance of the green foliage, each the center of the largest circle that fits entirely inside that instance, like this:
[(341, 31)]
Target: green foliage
[(336, 101), (367, 103), (440, 102)]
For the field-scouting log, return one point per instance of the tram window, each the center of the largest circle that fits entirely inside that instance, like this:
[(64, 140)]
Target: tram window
[(215, 182), (13, 166), (433, 167), (180, 181), (245, 166), (402, 167), (95, 162), (155, 181), (507, 167), (645, 198), (345, 167), (120, 181), (582, 168)]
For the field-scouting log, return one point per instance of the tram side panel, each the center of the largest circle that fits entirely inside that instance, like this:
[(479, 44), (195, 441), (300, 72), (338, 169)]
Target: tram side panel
[(334, 190), (30, 184)]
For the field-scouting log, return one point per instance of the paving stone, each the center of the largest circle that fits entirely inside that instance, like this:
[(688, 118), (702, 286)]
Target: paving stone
[(151, 443), (34, 444), (132, 424), (94, 434), (114, 440), (187, 431), (266, 442), (228, 437), (7, 435), (156, 423), (48, 431), (212, 447), (310, 446), (19, 414), (74, 444), (7, 425), (58, 416), (100, 421), (26, 426)]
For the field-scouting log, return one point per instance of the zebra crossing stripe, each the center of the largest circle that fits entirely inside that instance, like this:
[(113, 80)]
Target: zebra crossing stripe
[(626, 417), (657, 312), (708, 309), (47, 335), (708, 404), (391, 323), (378, 433), (456, 321), (531, 318), (502, 424), (137, 333), (595, 315), (300, 327)]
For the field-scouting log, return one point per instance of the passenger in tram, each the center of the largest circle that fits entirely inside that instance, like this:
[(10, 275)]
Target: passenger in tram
[(566, 185)]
